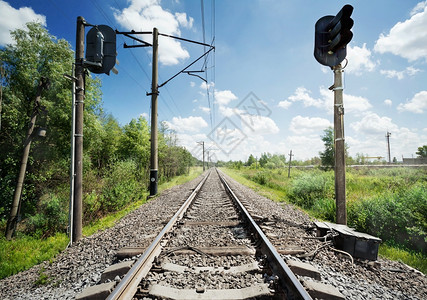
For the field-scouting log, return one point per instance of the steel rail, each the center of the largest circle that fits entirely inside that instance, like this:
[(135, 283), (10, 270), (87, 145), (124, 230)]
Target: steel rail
[(288, 280), (128, 286)]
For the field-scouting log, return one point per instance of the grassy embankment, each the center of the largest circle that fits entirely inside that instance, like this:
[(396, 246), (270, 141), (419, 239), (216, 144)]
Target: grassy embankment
[(388, 203), (25, 251)]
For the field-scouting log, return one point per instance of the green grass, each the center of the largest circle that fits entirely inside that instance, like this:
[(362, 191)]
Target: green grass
[(415, 259), (23, 252), (366, 186)]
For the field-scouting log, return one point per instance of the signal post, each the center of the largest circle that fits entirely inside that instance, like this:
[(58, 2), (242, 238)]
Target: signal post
[(332, 34)]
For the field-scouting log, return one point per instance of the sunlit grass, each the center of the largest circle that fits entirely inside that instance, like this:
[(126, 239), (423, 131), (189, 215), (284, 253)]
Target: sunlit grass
[(23, 251), (415, 259)]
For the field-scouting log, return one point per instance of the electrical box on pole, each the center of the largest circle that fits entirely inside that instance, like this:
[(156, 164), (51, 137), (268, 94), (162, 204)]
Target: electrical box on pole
[(101, 49), (332, 34)]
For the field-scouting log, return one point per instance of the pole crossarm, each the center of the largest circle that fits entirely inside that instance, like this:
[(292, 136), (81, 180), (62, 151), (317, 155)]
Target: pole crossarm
[(183, 70), (129, 35)]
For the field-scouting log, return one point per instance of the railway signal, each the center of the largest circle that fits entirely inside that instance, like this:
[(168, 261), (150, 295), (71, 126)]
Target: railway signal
[(332, 34), (101, 50)]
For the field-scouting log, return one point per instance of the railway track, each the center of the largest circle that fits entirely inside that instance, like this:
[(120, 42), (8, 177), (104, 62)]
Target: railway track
[(212, 248)]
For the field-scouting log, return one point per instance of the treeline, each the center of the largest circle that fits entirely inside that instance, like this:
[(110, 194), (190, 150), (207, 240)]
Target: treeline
[(116, 158)]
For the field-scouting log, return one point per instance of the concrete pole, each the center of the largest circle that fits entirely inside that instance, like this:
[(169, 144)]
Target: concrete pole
[(388, 146), (154, 93), (12, 221), (290, 160), (78, 136), (341, 212)]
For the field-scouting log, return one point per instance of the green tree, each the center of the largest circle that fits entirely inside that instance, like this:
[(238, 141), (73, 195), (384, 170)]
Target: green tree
[(327, 156), (422, 151), (251, 160), (36, 53)]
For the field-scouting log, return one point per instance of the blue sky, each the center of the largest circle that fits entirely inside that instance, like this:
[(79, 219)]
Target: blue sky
[(265, 92)]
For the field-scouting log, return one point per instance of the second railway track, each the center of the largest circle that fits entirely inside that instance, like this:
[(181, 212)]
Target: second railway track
[(211, 249)]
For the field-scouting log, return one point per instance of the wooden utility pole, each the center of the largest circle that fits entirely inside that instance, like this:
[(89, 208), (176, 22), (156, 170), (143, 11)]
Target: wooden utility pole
[(341, 212), (154, 93), (78, 135), (13, 219), (290, 160)]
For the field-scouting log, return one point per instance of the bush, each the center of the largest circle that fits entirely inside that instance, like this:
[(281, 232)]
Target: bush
[(308, 188), (52, 217), (121, 186), (398, 218)]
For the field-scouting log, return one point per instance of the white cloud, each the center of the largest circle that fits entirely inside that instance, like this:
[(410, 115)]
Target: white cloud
[(407, 39), (416, 105), (144, 115), (192, 84), (144, 15), (304, 146), (224, 97), (11, 19), (182, 20), (205, 109), (303, 95), (359, 60), (304, 125), (191, 124), (284, 104), (258, 125), (352, 104), (388, 102), (373, 124), (411, 71)]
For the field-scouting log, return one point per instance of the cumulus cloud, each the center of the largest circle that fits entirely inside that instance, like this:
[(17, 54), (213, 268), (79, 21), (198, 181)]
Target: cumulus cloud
[(352, 104), (409, 71), (11, 19), (190, 124), (388, 102), (407, 39), (302, 94), (205, 109), (305, 125), (418, 104), (373, 124), (145, 15), (359, 60), (260, 125), (224, 97)]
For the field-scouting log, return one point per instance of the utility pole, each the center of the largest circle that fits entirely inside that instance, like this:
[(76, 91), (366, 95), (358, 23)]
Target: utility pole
[(12, 222), (290, 160), (154, 93), (341, 212), (256, 162), (203, 152), (388, 146), (78, 135)]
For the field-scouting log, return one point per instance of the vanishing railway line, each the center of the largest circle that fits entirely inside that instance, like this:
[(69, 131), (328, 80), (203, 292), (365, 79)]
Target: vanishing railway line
[(211, 249)]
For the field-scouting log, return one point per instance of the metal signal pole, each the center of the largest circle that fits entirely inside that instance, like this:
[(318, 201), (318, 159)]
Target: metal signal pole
[(341, 212), (78, 135), (154, 94)]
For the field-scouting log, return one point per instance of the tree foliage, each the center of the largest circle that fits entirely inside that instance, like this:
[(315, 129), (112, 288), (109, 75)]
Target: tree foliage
[(422, 151), (116, 158)]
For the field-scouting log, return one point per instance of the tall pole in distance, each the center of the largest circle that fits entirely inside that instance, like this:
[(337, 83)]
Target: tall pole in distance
[(78, 135), (388, 146), (290, 160), (341, 212), (203, 152), (154, 94)]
